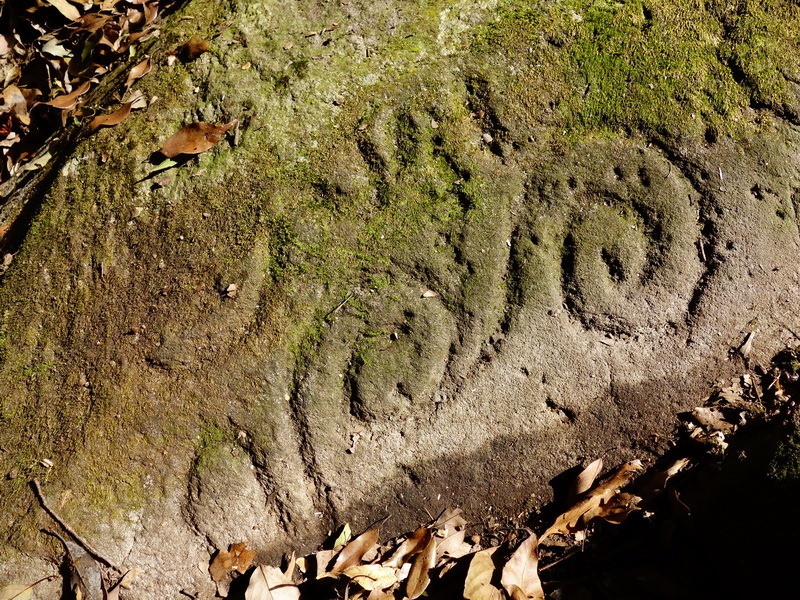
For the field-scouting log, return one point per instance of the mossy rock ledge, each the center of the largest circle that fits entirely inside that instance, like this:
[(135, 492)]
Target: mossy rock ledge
[(474, 243)]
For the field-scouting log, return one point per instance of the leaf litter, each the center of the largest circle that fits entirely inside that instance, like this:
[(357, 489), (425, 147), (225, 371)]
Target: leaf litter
[(53, 54)]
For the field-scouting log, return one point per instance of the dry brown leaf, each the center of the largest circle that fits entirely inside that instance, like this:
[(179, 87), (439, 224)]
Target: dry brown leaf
[(416, 542), (69, 101), (656, 484), (616, 510), (236, 558), (585, 479), (711, 419), (112, 119), (419, 577), (372, 577), (194, 139), (520, 576), (269, 583), (568, 522), (139, 71), (191, 50), (355, 551), (478, 582), (14, 101)]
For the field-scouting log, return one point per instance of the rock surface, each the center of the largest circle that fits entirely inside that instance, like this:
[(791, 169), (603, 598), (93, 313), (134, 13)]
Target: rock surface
[(474, 243)]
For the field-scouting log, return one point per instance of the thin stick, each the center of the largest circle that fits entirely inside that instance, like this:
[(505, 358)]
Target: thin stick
[(341, 304), (37, 489)]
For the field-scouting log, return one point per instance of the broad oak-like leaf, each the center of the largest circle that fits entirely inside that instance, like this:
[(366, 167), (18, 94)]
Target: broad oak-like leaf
[(195, 138), (270, 583), (522, 571), (477, 584)]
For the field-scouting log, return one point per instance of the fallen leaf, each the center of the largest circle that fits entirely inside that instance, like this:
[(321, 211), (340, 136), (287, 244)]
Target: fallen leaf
[(191, 50), (269, 583), (112, 119), (236, 558), (477, 584), (68, 101), (747, 345), (139, 71), (616, 510), (66, 9), (53, 48), (416, 542), (194, 139), (322, 560), (586, 478), (372, 577), (522, 571), (16, 592), (355, 550), (568, 522), (711, 419), (343, 537), (454, 545), (15, 101), (419, 576)]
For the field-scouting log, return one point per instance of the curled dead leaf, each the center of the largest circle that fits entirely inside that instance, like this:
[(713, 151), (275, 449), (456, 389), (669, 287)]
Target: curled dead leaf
[(139, 71), (112, 119), (416, 542), (586, 478), (194, 139), (191, 50), (69, 101), (419, 576), (572, 520), (353, 552)]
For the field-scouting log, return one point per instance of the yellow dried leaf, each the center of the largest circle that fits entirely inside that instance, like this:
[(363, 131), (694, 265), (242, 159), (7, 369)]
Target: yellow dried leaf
[(521, 572), (372, 577), (16, 592), (66, 9), (269, 583), (477, 584)]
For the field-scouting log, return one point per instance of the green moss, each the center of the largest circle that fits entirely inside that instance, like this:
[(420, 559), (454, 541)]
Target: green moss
[(676, 68)]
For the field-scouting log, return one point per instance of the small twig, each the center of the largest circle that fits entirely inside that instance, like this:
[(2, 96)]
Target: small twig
[(570, 553), (339, 306), (37, 489)]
